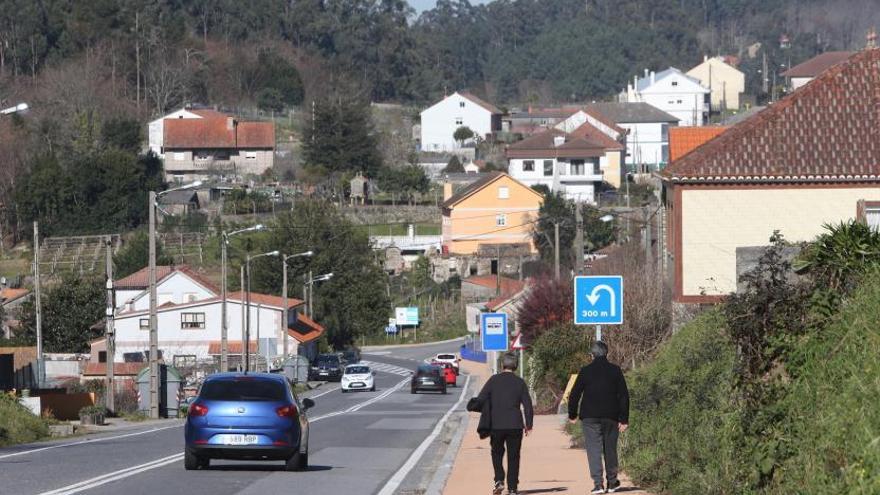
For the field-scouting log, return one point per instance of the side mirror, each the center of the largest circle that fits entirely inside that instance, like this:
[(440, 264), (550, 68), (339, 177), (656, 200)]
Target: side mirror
[(308, 403), (374, 373)]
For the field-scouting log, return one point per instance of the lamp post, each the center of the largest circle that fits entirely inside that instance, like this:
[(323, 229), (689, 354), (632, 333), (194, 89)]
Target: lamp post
[(247, 328), (21, 107), (309, 284), (224, 324), (152, 206), (285, 316)]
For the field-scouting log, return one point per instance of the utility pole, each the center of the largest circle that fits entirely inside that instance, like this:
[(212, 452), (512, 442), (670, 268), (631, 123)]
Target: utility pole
[(247, 319), (579, 240), (284, 313), (498, 271), (39, 306), (311, 289), (109, 333), (154, 320), (556, 249), (648, 257), (224, 325), (244, 343)]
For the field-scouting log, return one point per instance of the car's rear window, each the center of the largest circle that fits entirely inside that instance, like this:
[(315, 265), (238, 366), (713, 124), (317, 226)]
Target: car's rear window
[(327, 360), (243, 390), (445, 356), (428, 369), (357, 370)]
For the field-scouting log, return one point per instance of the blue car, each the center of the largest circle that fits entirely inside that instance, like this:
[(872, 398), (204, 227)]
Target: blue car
[(253, 416)]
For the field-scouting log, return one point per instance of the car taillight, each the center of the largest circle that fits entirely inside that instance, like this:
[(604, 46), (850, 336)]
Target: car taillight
[(196, 410), (287, 412)]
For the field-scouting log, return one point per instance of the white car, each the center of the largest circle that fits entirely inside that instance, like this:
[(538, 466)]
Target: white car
[(447, 358), (358, 377)]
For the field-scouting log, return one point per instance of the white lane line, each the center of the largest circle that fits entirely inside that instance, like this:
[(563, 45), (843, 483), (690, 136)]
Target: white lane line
[(84, 442), (115, 475), (322, 394), (361, 405), (395, 481)]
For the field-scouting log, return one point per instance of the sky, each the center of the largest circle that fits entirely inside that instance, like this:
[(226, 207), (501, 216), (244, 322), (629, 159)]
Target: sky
[(421, 5)]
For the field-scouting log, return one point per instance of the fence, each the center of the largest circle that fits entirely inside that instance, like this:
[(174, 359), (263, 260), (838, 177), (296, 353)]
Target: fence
[(83, 253)]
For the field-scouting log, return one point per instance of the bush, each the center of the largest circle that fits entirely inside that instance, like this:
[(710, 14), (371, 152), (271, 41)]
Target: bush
[(18, 424), (559, 353), (683, 424)]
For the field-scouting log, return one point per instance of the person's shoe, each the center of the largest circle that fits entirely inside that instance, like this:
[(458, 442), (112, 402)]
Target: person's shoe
[(597, 489), (498, 488), (613, 486), (512, 492)]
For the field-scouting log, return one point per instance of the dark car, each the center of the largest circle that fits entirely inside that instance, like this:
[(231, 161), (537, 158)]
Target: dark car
[(247, 417), (327, 367), (351, 356), (428, 377)]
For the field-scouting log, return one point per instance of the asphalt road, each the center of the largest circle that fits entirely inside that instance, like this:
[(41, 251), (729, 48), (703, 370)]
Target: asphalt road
[(361, 443)]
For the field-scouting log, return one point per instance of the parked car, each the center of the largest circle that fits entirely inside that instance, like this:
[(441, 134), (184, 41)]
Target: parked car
[(452, 359), (254, 416), (427, 377), (358, 377), (351, 356), (326, 367), (448, 372)]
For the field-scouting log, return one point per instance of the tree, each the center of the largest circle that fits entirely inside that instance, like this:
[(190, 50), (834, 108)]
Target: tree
[(556, 209), (340, 138), (352, 303), (454, 166), (407, 180), (462, 134), (69, 310), (135, 255)]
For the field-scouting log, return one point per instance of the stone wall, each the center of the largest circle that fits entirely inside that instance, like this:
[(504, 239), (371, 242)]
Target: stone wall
[(373, 215)]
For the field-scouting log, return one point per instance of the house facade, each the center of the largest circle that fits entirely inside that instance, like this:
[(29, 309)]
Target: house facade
[(572, 163), (174, 284), (672, 91), (156, 128), (494, 210), (808, 160), (460, 109), (199, 149), (647, 132), (724, 81)]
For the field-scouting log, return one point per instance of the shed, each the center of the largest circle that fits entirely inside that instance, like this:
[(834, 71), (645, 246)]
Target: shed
[(359, 189)]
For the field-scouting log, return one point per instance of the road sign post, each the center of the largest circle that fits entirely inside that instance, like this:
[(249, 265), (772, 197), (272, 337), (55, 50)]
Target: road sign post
[(598, 300), (494, 334)]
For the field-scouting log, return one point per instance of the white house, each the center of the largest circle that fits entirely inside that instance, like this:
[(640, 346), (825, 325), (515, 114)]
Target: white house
[(193, 329), (673, 92), (647, 132), (174, 284), (725, 82), (806, 71), (156, 128), (569, 162), (460, 109)]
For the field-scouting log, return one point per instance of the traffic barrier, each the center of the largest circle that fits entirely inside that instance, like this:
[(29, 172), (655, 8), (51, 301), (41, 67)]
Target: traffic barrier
[(473, 354)]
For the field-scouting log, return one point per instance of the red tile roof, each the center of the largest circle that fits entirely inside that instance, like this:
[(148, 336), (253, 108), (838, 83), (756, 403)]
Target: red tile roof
[(265, 299), (816, 65), (119, 369), (10, 294), (217, 132), (585, 141), (305, 329), (829, 130), (684, 139), (508, 285), (488, 106), (594, 134), (232, 346)]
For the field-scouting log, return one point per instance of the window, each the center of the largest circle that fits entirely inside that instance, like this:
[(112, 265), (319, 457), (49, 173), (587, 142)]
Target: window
[(503, 192), (501, 220), (250, 155), (192, 320), (664, 152), (190, 297), (461, 104), (459, 121), (179, 156), (528, 166), (664, 132), (577, 167), (675, 83), (145, 323), (548, 168), (869, 212), (678, 101), (202, 156)]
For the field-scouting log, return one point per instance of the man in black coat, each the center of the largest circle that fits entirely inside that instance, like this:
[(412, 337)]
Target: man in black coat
[(507, 398), (601, 400)]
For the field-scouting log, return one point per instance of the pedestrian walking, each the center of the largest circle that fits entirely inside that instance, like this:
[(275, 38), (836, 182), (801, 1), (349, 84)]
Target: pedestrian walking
[(506, 399), (601, 400)]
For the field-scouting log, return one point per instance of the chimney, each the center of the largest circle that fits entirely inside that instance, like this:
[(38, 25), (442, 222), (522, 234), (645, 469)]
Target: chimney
[(447, 190), (652, 77), (230, 123), (558, 141), (705, 58), (871, 39), (646, 72), (411, 232)]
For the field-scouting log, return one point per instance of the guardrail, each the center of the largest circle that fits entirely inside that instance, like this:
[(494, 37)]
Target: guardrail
[(473, 354)]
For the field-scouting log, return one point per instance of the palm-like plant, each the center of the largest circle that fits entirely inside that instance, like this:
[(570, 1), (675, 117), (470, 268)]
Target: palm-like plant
[(837, 258)]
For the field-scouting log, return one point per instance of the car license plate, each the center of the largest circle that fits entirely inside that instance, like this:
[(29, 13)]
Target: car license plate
[(357, 385), (325, 372), (239, 439)]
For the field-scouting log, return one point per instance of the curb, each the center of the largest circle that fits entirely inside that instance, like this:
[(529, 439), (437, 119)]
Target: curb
[(444, 470)]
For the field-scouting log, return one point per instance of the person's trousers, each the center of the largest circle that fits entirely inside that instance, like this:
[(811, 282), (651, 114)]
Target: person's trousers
[(600, 439), (512, 439)]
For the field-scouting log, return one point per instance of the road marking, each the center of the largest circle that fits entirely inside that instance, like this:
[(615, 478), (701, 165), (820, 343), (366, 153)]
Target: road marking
[(333, 389), (114, 476), (388, 368), (361, 405), (395, 481), (83, 442)]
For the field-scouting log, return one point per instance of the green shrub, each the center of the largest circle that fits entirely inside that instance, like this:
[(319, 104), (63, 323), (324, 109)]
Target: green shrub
[(558, 353), (683, 422), (18, 424)]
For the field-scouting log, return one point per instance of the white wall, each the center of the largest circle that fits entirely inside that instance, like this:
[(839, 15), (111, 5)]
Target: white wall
[(439, 122), (797, 82), (562, 181), (675, 94), (178, 289), (645, 142)]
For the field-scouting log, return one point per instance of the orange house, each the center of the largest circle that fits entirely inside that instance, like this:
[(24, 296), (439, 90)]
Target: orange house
[(494, 210)]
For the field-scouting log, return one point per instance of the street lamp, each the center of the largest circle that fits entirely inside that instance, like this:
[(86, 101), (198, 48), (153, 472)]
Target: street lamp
[(285, 316), (247, 328), (309, 283), (21, 107), (224, 324), (152, 206)]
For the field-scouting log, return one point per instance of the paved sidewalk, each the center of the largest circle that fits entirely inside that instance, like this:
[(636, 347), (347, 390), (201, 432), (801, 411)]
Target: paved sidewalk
[(548, 464)]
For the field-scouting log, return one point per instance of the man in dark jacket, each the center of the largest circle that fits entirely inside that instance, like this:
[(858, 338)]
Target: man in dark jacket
[(600, 391), (504, 394)]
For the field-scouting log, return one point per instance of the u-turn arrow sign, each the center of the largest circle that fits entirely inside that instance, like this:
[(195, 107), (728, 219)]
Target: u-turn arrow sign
[(598, 300)]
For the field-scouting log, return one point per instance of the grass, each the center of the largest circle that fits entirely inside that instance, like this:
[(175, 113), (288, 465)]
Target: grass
[(18, 424), (439, 330)]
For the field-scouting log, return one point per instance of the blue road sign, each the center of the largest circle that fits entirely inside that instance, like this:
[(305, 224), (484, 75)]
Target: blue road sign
[(598, 300), (391, 329), (493, 330)]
